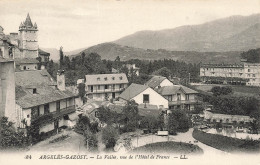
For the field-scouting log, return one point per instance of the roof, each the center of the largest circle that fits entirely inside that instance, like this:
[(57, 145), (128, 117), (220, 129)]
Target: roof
[(170, 90), (45, 85), (155, 81), (222, 66), (34, 78), (28, 21), (99, 79), (26, 61), (43, 53), (5, 60), (132, 91)]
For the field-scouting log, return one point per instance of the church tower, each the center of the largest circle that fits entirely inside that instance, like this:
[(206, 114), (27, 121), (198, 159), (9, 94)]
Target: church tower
[(29, 39)]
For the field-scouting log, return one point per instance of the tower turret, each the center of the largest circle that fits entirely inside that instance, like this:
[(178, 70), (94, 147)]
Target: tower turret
[(29, 38)]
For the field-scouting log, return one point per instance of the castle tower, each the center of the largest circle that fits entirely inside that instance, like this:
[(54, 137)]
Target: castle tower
[(29, 39)]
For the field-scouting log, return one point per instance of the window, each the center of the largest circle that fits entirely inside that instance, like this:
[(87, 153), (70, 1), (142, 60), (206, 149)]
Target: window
[(187, 97), (28, 116), (169, 98), (121, 78), (98, 87), (178, 96), (46, 109), (58, 106), (34, 90), (248, 70), (121, 86), (146, 98), (105, 78), (106, 86), (98, 79), (24, 67), (113, 78), (253, 75)]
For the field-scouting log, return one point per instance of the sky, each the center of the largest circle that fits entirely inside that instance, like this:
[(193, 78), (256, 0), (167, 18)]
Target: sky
[(76, 24)]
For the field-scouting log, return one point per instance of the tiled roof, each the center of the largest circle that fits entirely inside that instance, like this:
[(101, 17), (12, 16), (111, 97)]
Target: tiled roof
[(34, 78), (26, 61), (170, 90), (49, 95), (132, 91), (46, 91), (155, 81), (99, 79)]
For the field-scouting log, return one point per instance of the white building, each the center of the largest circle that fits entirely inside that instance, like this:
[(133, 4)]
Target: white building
[(143, 95), (158, 81), (105, 86), (179, 96)]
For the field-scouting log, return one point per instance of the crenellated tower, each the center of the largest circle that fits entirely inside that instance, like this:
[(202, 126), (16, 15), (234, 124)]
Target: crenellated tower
[(29, 38)]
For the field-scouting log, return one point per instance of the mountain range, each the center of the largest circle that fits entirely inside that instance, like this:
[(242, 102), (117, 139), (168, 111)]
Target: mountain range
[(235, 33), (217, 41)]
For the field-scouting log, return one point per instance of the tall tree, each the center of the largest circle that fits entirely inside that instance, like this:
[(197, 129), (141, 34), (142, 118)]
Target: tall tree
[(61, 57)]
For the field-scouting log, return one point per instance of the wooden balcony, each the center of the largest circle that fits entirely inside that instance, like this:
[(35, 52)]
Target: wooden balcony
[(180, 102), (50, 117)]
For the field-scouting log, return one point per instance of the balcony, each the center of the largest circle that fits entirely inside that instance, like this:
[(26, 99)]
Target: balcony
[(180, 102), (50, 117), (106, 90)]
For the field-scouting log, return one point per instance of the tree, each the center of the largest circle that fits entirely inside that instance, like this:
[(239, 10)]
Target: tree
[(82, 125), (105, 115), (61, 57), (9, 137), (130, 116), (217, 90), (165, 72), (109, 136), (178, 121), (91, 141), (82, 91)]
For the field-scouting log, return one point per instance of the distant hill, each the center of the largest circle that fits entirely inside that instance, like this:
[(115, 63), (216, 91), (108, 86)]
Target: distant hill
[(111, 51), (55, 53), (235, 33)]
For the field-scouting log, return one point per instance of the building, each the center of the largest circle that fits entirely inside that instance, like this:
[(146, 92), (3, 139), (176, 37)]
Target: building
[(179, 97), (43, 102), (243, 74), (144, 96), (215, 117), (22, 45), (105, 86), (131, 69), (28, 39), (158, 81), (7, 89)]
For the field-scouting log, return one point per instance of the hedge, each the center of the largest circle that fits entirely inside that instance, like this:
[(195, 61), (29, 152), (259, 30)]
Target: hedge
[(227, 144)]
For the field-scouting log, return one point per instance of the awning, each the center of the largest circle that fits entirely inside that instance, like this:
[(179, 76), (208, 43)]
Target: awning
[(73, 116)]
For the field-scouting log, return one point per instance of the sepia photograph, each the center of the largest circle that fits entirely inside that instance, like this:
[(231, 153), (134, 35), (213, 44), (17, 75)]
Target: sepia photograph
[(130, 81)]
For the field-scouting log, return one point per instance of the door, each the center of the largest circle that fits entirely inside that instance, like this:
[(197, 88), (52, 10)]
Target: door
[(113, 95), (56, 124)]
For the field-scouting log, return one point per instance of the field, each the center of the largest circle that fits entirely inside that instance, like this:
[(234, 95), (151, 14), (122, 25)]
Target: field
[(237, 90), (169, 147)]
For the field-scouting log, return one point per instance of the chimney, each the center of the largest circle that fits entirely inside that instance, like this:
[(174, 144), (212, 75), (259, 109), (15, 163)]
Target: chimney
[(61, 80)]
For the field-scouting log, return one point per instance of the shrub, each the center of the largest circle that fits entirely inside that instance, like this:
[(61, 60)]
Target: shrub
[(109, 136), (225, 143)]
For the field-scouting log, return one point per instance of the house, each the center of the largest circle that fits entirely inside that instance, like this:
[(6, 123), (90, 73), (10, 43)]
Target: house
[(144, 96), (42, 102), (105, 86), (216, 117), (132, 69), (7, 89), (179, 96), (158, 81)]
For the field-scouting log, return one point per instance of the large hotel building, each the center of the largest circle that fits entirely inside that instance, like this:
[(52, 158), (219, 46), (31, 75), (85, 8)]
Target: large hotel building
[(245, 73)]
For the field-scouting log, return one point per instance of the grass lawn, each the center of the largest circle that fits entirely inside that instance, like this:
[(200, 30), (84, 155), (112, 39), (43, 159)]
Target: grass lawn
[(169, 147)]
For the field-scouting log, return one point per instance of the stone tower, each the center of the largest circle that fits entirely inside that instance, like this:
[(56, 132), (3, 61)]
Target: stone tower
[(29, 39)]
